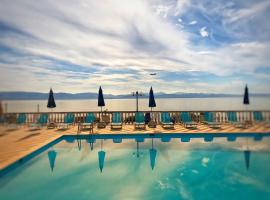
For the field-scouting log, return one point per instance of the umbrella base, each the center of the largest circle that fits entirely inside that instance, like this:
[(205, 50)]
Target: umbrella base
[(152, 124), (51, 125), (101, 125)]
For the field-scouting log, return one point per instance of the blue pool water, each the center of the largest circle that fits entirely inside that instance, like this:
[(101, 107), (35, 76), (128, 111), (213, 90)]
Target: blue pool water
[(149, 169)]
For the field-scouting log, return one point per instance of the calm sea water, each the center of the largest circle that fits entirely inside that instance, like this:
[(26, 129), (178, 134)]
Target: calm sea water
[(171, 104), (190, 171)]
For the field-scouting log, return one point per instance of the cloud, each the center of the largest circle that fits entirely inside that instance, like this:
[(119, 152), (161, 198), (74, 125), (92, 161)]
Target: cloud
[(204, 32), (248, 12), (193, 22), (83, 44), (205, 161)]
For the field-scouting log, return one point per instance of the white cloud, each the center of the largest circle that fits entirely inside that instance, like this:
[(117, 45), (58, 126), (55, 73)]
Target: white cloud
[(204, 32), (205, 161), (245, 13), (193, 22)]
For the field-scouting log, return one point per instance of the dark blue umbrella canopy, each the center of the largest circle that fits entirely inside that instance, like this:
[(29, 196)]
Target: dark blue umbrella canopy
[(51, 102), (100, 98), (246, 96), (152, 102)]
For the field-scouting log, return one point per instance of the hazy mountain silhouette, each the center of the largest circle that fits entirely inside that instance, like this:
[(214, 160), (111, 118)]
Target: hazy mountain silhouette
[(44, 96)]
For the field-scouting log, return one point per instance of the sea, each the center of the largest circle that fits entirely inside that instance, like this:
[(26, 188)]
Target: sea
[(163, 104)]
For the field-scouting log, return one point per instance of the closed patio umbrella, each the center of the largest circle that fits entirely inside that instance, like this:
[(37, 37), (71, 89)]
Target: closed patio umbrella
[(51, 102), (246, 96), (52, 156), (152, 102), (101, 102)]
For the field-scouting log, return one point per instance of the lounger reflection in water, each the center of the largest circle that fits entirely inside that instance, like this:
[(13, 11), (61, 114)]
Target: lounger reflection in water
[(166, 120), (186, 120), (68, 120), (232, 119), (139, 120), (116, 121), (88, 122), (209, 120), (42, 121)]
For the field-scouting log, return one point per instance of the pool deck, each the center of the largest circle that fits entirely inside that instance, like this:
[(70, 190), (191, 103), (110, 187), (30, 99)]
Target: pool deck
[(15, 144)]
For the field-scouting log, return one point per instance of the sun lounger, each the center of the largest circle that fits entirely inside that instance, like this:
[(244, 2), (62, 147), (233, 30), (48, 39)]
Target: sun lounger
[(19, 121), (232, 119), (209, 120), (166, 120), (258, 117), (116, 121), (42, 121), (68, 120), (139, 121), (88, 122), (186, 120), (2, 119)]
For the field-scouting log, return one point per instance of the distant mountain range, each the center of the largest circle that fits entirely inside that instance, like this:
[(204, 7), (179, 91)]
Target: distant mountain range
[(44, 96)]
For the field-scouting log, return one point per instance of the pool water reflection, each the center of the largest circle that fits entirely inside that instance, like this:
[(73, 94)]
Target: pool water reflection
[(144, 168)]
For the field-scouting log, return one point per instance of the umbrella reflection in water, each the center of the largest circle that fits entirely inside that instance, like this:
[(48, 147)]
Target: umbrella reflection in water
[(247, 154), (52, 156), (101, 157), (153, 155)]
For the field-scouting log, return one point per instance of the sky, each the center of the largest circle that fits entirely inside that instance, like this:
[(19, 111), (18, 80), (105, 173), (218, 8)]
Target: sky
[(78, 45)]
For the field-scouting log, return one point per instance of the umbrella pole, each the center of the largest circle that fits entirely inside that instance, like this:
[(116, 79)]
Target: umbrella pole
[(100, 113), (50, 115), (151, 114)]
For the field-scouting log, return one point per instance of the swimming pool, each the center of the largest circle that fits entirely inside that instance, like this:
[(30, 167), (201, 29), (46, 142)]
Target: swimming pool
[(142, 167)]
